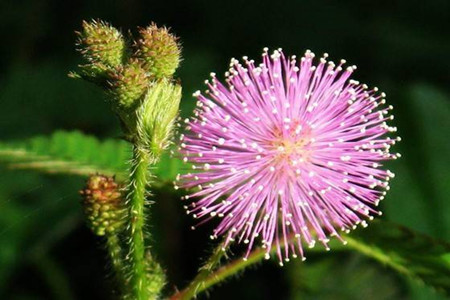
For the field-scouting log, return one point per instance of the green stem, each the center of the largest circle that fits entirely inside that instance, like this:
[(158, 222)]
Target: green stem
[(200, 282), (115, 254), (139, 180), (207, 277), (377, 254)]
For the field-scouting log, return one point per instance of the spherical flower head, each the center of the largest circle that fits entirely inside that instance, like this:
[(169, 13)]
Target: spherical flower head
[(287, 152), (159, 50)]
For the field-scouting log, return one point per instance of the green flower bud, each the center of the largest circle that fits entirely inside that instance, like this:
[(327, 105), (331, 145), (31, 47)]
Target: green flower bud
[(155, 277), (128, 85), (100, 43), (156, 115), (103, 205), (140, 87), (159, 50)]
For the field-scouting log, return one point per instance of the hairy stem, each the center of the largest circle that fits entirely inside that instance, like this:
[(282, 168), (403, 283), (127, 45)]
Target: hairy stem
[(115, 255), (198, 283), (209, 277), (138, 184)]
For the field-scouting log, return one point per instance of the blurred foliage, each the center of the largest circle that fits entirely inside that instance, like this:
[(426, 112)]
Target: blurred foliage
[(412, 254), (68, 152), (327, 279), (421, 191), (399, 45)]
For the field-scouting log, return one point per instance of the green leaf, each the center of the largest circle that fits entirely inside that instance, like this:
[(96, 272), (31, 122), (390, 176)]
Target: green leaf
[(419, 193), (76, 153), (415, 255), (67, 152)]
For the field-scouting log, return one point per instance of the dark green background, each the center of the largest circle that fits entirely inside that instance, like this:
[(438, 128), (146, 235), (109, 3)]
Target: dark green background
[(400, 46)]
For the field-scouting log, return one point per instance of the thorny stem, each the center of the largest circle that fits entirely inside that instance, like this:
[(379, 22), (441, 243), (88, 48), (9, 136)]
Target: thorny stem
[(208, 278), (200, 282), (136, 200), (205, 279)]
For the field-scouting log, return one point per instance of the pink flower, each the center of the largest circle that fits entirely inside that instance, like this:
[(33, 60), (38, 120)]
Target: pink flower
[(287, 152)]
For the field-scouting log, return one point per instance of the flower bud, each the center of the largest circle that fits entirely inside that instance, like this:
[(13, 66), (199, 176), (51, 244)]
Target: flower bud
[(103, 205), (159, 51), (100, 43), (128, 85), (157, 114), (156, 278)]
